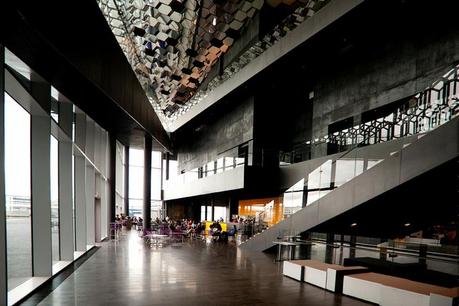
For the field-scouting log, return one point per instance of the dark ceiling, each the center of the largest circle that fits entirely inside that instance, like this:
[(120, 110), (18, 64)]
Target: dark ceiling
[(72, 47)]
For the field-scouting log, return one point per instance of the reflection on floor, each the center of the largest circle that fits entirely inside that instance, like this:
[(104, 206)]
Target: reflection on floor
[(195, 272)]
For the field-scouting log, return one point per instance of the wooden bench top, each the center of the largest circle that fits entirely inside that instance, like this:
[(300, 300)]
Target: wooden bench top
[(406, 284), (323, 266)]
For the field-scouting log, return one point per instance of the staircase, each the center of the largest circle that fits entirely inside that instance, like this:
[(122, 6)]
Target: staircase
[(416, 157)]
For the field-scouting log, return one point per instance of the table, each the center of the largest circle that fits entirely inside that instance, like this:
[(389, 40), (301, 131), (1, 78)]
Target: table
[(154, 239)]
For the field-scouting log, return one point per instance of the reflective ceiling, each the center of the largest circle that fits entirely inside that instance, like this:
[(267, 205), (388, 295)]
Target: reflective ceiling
[(172, 45)]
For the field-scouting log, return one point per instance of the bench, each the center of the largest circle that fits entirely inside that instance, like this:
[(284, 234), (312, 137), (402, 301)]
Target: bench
[(414, 271), (389, 290), (327, 276)]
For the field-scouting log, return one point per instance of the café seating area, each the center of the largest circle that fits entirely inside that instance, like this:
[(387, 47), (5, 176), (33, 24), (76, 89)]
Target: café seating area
[(172, 232)]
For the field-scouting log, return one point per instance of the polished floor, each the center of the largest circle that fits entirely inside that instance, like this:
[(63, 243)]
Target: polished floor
[(193, 273)]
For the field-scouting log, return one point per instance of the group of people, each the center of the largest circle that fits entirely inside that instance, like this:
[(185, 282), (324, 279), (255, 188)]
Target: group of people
[(191, 227), (128, 221)]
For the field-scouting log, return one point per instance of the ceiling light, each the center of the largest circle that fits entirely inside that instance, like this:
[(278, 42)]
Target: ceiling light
[(214, 21), (407, 224), (353, 224)]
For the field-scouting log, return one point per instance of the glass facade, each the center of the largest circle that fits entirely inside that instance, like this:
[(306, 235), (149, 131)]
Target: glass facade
[(55, 199), (136, 168), (17, 189), (45, 234)]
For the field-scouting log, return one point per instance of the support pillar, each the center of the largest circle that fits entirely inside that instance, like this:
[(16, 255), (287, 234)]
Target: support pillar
[(167, 165), (40, 188), (90, 180), (3, 266), (112, 177), (126, 180), (329, 248), (423, 254), (65, 184), (80, 203), (80, 184), (213, 210), (147, 183), (352, 245)]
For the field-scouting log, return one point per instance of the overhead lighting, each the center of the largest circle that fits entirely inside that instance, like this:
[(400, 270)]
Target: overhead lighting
[(353, 224), (214, 21), (407, 224)]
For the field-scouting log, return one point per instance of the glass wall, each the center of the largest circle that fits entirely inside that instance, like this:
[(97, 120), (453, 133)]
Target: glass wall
[(55, 199), (17, 189), (29, 253), (136, 160), (293, 198), (156, 203), (220, 213), (136, 166), (119, 181)]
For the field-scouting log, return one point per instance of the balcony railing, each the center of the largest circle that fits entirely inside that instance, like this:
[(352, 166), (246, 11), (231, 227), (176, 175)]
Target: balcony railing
[(211, 168), (425, 111)]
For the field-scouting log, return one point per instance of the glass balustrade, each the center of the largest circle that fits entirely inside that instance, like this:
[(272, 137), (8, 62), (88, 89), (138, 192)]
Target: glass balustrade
[(211, 168), (425, 111)]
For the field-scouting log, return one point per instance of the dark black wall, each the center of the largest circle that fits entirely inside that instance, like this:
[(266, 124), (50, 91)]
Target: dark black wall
[(215, 135), (379, 53), (71, 46)]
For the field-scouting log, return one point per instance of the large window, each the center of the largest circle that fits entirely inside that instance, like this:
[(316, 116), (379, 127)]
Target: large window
[(156, 203), (136, 165), (220, 213), (17, 188), (135, 182), (55, 199)]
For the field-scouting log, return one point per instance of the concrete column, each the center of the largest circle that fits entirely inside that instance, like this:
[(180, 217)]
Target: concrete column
[(103, 209), (126, 180), (40, 192), (423, 254), (352, 245), (90, 204), (104, 199), (3, 266), (112, 178), (167, 165), (329, 248), (90, 182), (80, 203), (147, 183), (80, 183), (66, 242), (213, 210)]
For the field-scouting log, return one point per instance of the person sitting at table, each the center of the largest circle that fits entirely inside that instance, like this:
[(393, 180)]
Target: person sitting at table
[(199, 228), (139, 224), (128, 223), (216, 230)]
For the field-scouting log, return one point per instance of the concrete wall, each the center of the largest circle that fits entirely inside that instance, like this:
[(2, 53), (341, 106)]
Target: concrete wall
[(229, 180), (218, 138), (397, 66)]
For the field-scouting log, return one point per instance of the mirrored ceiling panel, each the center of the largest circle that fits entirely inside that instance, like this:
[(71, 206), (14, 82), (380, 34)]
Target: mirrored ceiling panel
[(172, 45)]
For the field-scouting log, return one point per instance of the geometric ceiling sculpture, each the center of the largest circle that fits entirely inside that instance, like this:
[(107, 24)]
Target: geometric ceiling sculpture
[(172, 45)]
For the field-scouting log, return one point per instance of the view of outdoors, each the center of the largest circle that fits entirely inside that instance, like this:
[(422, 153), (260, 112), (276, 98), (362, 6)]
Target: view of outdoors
[(17, 189), (136, 162), (55, 199)]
